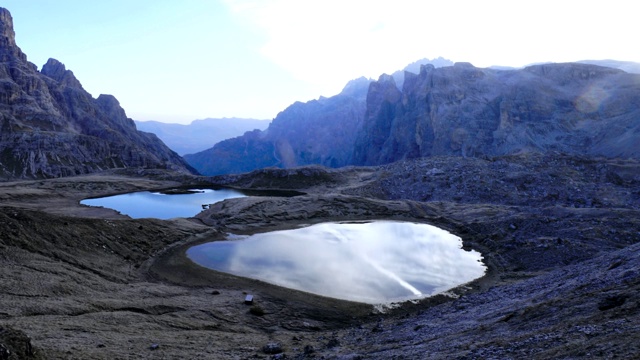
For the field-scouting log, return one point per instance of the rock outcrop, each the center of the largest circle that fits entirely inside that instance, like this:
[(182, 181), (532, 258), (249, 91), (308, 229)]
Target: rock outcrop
[(467, 111), (320, 132), (558, 233), (51, 127)]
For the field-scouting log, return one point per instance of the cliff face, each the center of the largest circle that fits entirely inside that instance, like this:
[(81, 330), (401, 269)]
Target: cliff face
[(462, 110), (320, 132), (51, 127)]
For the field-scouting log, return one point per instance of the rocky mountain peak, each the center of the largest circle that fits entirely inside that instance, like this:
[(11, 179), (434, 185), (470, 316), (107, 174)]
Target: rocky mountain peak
[(109, 103), (7, 35), (385, 89), (8, 48), (463, 64), (466, 111), (426, 68), (357, 87), (51, 127), (386, 78), (57, 71)]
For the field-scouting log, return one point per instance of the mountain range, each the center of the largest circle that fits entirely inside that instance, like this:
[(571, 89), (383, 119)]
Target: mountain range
[(316, 132), (51, 127), (461, 110), (321, 131), (199, 135), (537, 169)]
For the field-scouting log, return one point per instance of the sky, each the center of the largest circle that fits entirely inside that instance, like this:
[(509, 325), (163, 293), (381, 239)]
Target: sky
[(178, 61)]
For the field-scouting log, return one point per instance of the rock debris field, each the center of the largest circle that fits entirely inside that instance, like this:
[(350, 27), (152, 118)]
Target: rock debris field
[(560, 236)]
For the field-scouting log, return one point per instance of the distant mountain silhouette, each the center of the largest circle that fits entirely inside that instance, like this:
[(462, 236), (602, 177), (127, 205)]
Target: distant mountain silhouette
[(460, 110), (628, 66), (51, 127), (321, 132), (414, 68), (200, 134)]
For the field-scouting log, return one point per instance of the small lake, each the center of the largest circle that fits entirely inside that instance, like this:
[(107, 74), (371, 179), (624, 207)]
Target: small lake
[(159, 205), (371, 262)]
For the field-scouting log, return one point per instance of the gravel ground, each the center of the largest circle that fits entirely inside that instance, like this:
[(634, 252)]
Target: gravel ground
[(560, 236)]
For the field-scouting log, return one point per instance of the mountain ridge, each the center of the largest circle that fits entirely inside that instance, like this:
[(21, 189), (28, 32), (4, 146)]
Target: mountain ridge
[(459, 110), (200, 134), (51, 127), (331, 122), (467, 111), (334, 120)]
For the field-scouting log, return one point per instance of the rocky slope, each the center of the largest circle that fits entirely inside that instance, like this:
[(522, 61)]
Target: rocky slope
[(458, 110), (320, 132), (316, 132), (200, 135), (51, 127), (467, 111), (559, 233)]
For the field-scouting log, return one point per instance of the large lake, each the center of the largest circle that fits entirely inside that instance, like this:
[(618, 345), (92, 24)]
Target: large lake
[(146, 204), (373, 262)]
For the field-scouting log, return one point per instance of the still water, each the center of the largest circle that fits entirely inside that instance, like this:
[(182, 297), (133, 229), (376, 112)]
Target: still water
[(158, 205), (374, 262)]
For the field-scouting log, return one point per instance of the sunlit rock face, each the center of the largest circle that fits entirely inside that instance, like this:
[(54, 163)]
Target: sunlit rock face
[(51, 127), (467, 111)]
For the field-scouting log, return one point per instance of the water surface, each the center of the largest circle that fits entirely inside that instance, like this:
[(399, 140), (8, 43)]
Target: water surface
[(374, 262), (146, 204)]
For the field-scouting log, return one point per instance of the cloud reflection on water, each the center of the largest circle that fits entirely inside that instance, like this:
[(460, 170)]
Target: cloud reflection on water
[(373, 262), (146, 204)]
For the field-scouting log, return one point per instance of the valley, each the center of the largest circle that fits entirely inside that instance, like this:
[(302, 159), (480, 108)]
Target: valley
[(86, 282), (537, 169)]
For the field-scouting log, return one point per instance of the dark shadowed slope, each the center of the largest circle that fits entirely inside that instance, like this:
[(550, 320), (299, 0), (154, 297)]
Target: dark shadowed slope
[(459, 110), (467, 111), (316, 132), (51, 127)]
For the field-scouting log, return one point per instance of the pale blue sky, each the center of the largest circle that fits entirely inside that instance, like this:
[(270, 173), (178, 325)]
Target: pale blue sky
[(177, 61)]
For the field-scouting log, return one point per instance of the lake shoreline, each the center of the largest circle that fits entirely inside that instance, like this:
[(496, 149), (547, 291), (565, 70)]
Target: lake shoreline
[(562, 279), (376, 262)]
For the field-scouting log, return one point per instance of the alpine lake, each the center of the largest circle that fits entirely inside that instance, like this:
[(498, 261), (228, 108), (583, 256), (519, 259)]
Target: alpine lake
[(163, 204), (375, 262)]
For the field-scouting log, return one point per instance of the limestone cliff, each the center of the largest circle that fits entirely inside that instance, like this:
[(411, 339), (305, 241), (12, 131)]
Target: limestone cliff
[(51, 127), (467, 111)]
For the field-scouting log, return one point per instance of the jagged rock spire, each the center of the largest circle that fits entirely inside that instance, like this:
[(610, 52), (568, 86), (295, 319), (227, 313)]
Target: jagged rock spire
[(51, 127), (57, 71), (8, 47), (7, 35)]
